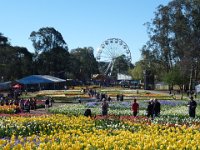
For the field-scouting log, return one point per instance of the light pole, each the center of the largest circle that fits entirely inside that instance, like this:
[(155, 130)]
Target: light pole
[(190, 83), (145, 79), (144, 71)]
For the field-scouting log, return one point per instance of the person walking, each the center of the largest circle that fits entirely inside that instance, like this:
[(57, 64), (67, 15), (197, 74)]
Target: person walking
[(135, 108), (104, 107), (34, 103), (150, 109), (192, 107), (51, 102), (27, 105), (156, 108), (46, 103)]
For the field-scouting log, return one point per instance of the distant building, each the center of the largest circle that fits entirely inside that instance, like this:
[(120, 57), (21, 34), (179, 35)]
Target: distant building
[(123, 77), (197, 88), (161, 86)]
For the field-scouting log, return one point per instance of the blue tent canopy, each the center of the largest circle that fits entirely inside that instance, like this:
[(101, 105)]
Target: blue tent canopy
[(5, 85), (39, 79)]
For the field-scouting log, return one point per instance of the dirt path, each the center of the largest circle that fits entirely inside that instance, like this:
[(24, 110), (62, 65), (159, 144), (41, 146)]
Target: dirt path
[(39, 111), (42, 110)]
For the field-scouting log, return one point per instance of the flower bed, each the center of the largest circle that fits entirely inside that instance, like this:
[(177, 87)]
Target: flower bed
[(118, 130), (8, 109), (62, 132), (128, 94), (168, 107)]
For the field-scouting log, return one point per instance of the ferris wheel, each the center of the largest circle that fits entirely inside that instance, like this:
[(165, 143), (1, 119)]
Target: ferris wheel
[(110, 50)]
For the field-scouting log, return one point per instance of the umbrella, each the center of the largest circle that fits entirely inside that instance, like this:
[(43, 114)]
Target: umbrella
[(17, 86)]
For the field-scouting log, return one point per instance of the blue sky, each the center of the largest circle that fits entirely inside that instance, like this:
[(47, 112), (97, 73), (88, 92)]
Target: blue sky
[(82, 23)]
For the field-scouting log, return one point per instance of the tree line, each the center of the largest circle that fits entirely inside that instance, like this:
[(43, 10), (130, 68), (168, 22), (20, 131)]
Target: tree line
[(51, 57), (172, 52)]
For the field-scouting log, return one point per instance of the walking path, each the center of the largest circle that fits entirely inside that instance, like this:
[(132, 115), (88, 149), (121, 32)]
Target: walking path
[(42, 110), (39, 111)]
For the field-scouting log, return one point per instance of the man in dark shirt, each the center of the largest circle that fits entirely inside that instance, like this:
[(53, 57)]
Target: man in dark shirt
[(104, 107), (150, 108), (192, 107), (156, 108)]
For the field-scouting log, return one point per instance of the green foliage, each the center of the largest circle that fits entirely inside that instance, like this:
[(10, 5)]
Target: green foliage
[(174, 77), (137, 72), (54, 62), (121, 65), (15, 57), (174, 37), (83, 63), (46, 39), (3, 40)]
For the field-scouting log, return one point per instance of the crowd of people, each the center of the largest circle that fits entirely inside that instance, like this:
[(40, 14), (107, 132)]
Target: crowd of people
[(28, 104), (101, 95), (98, 95), (24, 105), (153, 108)]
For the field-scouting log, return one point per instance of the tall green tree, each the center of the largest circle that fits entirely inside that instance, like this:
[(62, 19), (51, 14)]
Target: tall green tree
[(160, 42), (151, 61), (51, 52), (54, 62), (3, 40), (84, 63), (175, 77), (24, 61), (137, 73), (46, 39), (174, 36), (121, 65), (15, 62)]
